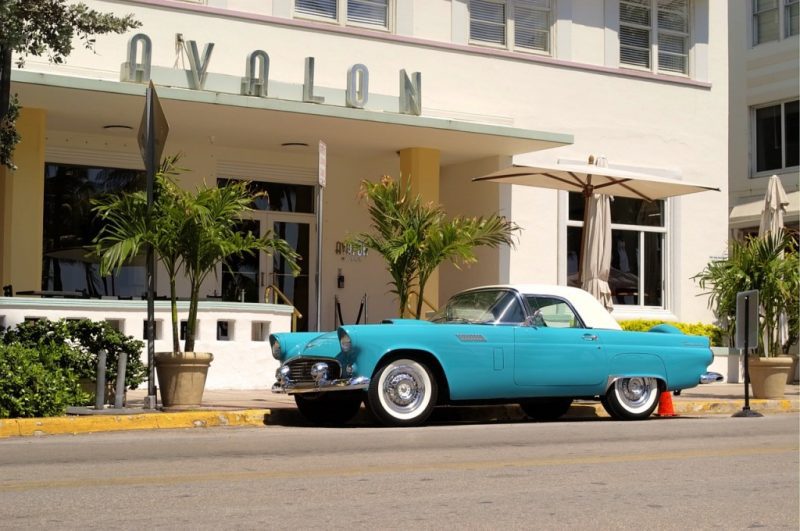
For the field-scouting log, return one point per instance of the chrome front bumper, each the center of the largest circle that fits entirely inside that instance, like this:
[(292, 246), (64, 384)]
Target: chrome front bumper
[(344, 384), (711, 377)]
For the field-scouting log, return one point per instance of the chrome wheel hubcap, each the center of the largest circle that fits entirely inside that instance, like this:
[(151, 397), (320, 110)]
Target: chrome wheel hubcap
[(403, 389), (635, 392)]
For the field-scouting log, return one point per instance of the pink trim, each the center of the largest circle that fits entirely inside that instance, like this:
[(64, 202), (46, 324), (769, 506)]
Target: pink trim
[(378, 35)]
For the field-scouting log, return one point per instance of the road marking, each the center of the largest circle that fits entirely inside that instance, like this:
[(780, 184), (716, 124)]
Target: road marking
[(379, 469)]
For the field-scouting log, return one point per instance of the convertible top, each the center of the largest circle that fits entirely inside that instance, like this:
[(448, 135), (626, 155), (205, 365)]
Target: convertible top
[(593, 313)]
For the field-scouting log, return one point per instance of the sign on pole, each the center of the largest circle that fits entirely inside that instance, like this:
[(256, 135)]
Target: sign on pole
[(152, 137), (747, 338), (747, 319), (153, 128)]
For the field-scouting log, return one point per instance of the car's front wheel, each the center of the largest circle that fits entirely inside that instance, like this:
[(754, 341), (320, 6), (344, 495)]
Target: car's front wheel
[(632, 398), (329, 409), (402, 393), (545, 409)]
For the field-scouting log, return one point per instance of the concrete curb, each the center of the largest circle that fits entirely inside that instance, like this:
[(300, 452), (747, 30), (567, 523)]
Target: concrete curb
[(74, 425), (590, 410), (712, 407), (146, 421)]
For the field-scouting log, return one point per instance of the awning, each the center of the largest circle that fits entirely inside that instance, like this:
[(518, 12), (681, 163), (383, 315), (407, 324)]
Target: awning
[(204, 117), (748, 215)]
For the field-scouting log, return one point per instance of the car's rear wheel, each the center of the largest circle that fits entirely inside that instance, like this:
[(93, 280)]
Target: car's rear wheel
[(632, 398), (329, 409), (545, 409), (402, 393)]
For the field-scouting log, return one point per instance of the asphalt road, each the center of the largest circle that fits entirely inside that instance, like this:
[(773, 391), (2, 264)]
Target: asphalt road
[(683, 473)]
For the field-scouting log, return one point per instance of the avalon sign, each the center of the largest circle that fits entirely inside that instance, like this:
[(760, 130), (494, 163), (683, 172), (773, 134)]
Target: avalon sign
[(139, 69)]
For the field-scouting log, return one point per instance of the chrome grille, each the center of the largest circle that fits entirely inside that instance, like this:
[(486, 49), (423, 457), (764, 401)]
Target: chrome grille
[(301, 369)]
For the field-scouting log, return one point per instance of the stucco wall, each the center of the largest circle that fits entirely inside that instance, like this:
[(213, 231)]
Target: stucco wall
[(765, 73), (635, 119)]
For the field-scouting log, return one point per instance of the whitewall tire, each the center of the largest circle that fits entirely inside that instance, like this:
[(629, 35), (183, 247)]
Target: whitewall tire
[(632, 398), (402, 393)]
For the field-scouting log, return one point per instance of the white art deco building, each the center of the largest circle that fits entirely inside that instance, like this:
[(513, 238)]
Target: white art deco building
[(438, 91)]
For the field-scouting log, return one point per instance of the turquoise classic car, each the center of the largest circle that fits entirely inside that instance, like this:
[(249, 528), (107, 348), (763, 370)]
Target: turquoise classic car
[(539, 346)]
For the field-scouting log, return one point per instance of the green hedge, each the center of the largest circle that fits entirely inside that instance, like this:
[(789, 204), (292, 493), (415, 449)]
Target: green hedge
[(84, 339), (712, 332), (32, 384), (41, 363)]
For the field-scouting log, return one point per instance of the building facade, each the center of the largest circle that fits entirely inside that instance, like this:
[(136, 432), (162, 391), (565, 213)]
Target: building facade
[(764, 48), (434, 91)]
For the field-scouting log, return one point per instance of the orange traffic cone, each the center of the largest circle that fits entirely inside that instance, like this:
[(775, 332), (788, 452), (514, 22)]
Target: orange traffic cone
[(665, 408)]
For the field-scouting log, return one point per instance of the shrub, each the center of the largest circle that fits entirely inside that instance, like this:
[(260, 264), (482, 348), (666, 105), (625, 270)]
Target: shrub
[(33, 385), (82, 341), (712, 332), (769, 264)]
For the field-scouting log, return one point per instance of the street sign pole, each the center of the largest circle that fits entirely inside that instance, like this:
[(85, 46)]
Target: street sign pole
[(747, 317), (152, 137), (322, 178), (150, 165)]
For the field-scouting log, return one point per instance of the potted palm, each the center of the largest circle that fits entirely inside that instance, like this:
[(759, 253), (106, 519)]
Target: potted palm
[(190, 231), (414, 238), (768, 264)]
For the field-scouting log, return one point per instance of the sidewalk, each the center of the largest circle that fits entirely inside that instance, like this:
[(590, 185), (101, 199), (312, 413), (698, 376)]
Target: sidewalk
[(259, 407)]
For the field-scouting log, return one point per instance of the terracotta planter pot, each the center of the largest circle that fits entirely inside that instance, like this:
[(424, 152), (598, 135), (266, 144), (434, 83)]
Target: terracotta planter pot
[(182, 377), (793, 375), (768, 376)]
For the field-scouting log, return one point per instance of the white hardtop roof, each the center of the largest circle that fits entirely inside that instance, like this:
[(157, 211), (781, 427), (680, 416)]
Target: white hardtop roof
[(593, 313)]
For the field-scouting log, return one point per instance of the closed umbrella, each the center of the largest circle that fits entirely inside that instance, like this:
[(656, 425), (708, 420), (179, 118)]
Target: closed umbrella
[(596, 245), (592, 179), (775, 203)]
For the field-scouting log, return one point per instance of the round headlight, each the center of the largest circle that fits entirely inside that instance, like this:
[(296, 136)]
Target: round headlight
[(344, 341), (276, 348)]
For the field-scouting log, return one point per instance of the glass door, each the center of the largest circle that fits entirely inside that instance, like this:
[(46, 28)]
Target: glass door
[(299, 231), (246, 278)]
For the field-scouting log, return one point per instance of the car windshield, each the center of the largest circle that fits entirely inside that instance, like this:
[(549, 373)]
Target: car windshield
[(482, 307)]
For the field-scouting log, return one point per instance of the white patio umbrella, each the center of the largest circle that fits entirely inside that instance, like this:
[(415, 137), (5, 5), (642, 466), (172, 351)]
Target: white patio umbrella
[(775, 203), (591, 179)]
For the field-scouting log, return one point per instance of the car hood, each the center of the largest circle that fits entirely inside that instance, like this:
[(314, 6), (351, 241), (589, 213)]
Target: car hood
[(322, 342), (321, 346)]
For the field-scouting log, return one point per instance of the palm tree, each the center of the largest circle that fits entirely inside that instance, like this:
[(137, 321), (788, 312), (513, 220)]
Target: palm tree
[(414, 238), (768, 264), (193, 231), (455, 241), (127, 228), (210, 235)]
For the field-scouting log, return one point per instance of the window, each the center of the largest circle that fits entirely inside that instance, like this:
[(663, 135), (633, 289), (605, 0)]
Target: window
[(553, 313), (279, 197), (776, 136), (522, 25), (767, 15), (791, 18), (485, 306), (70, 226), (765, 21), (370, 13), (638, 243), (654, 35)]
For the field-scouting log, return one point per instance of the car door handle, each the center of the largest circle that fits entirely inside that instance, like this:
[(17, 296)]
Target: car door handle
[(589, 337)]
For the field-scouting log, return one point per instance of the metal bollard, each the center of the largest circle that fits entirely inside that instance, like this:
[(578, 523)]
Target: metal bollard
[(100, 394), (119, 394)]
